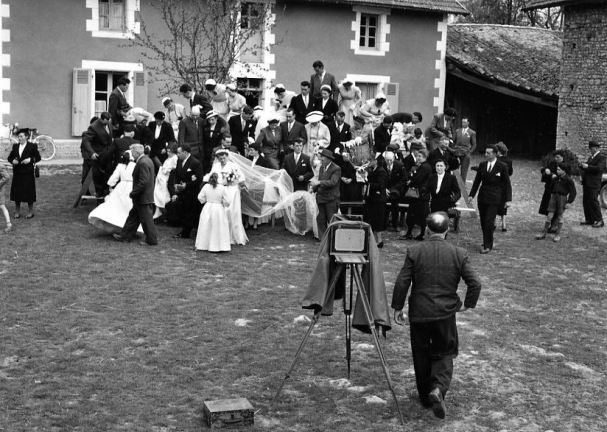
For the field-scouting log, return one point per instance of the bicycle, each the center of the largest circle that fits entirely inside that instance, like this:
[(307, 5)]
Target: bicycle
[(45, 143)]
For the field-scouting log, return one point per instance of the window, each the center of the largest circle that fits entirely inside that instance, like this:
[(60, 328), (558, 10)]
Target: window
[(368, 30), (250, 14), (111, 15), (251, 89), (105, 82)]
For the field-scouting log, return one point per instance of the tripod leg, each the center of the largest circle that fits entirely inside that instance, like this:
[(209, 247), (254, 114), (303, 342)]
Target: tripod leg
[(299, 350), (348, 313), (362, 292)]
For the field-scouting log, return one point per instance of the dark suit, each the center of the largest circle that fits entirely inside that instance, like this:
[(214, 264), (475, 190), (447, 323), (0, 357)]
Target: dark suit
[(203, 102), (463, 146), (288, 137), (97, 140), (591, 185), (397, 176), (447, 156), (495, 190), (190, 133), (241, 133), (300, 109), (338, 136), (316, 84), (439, 128), (271, 144), (190, 174), (210, 140), (327, 195), (116, 101), (381, 138), (433, 270), (375, 202), (302, 168), (418, 207), (328, 111), (143, 202), (447, 195), (23, 185), (159, 144)]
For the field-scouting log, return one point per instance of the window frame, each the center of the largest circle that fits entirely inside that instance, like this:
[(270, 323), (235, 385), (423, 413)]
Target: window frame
[(382, 29), (129, 27)]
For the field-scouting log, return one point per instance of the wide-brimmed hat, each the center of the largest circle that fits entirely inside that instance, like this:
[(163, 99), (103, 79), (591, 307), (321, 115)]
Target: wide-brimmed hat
[(212, 113), (314, 116), (327, 153)]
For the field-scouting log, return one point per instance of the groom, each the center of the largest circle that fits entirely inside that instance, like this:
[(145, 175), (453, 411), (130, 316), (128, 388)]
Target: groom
[(143, 200)]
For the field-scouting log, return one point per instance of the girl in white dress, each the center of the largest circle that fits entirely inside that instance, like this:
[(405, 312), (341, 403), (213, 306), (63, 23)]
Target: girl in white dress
[(231, 176), (161, 189), (111, 215), (213, 227)]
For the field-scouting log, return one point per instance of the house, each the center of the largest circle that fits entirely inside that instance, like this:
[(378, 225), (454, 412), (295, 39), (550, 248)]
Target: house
[(505, 79), (582, 108), (58, 74)]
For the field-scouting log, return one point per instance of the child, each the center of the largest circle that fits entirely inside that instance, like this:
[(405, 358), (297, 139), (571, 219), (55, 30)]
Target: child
[(563, 194), (4, 176), (213, 227), (502, 156)]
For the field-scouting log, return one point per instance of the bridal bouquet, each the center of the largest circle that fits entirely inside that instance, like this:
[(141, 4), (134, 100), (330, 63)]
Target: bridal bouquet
[(231, 177)]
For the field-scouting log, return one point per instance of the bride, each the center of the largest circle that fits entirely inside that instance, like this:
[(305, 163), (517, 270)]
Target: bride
[(231, 176)]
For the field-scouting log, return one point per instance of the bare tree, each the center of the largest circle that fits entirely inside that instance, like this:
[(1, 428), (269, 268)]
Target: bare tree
[(510, 12), (200, 39)]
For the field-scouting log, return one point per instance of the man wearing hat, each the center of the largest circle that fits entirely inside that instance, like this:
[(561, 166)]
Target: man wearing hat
[(190, 132), (195, 99), (174, 113), (116, 104), (212, 134), (592, 172), (327, 190), (162, 133), (270, 142), (431, 276), (242, 127), (320, 78), (298, 166), (303, 103), (319, 135)]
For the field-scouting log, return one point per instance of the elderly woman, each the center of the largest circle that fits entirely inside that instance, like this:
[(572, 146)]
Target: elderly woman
[(236, 101), (374, 110), (318, 133), (23, 156), (349, 100), (418, 196)]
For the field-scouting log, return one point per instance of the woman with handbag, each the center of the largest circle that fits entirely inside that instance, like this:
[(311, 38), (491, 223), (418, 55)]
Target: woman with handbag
[(24, 156), (418, 196), (376, 198)]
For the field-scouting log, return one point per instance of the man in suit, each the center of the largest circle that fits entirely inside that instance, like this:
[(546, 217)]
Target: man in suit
[(495, 190), (433, 270), (184, 189), (382, 135), (241, 128), (195, 99), (117, 105), (303, 103), (340, 130), (270, 141), (191, 132), (97, 146), (444, 153), (298, 166), (212, 134), (256, 157), (162, 133), (320, 78), (397, 177), (463, 146), (443, 124), (291, 130), (592, 172), (327, 190), (143, 200)]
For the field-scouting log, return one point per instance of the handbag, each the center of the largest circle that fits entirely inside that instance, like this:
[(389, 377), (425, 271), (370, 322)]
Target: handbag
[(412, 192), (36, 171)]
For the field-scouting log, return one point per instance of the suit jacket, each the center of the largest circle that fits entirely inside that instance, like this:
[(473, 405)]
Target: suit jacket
[(329, 110), (437, 130), (316, 84), (240, 135), (143, 134), (464, 143), (447, 195), (302, 168), (337, 136), (115, 101), (328, 189), (192, 134), (300, 109), (381, 138), (29, 151), (269, 141), (143, 181), (495, 187), (166, 136), (298, 130), (591, 176), (97, 140), (450, 159), (203, 102), (378, 182), (397, 176), (212, 139), (433, 270), (189, 173)]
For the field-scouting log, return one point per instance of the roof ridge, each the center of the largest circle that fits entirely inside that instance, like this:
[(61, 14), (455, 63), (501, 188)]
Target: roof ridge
[(462, 24)]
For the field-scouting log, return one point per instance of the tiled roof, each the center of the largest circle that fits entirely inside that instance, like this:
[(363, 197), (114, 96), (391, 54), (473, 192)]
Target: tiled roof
[(538, 4), (440, 6), (527, 59)]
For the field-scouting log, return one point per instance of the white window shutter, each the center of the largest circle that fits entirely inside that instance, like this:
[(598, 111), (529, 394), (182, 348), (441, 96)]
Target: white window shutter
[(391, 91), (82, 94)]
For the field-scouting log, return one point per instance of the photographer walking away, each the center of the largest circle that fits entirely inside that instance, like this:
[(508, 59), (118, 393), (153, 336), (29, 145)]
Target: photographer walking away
[(592, 172), (433, 270)]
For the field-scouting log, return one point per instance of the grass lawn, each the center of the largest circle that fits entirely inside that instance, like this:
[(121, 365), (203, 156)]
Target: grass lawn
[(97, 335)]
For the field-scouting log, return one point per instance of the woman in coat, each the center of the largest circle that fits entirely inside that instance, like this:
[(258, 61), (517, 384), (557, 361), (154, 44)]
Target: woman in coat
[(24, 156), (443, 188), (376, 198), (418, 207)]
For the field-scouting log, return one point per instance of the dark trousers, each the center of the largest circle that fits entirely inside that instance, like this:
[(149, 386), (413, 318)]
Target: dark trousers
[(592, 208), (394, 212), (101, 174), (434, 345), (325, 213), (487, 213), (464, 165), (86, 167), (189, 210), (417, 214), (141, 214)]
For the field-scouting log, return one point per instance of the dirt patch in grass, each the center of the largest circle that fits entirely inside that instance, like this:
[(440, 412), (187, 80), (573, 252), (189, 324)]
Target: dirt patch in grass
[(101, 336)]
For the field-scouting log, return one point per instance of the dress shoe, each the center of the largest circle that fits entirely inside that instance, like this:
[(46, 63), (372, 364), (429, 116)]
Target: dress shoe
[(380, 244), (438, 403), (485, 250), (585, 223), (598, 224)]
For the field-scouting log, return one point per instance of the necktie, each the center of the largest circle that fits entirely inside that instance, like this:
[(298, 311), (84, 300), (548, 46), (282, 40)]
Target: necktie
[(489, 167)]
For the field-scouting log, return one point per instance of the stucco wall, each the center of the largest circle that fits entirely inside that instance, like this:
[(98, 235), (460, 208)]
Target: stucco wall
[(583, 95), (410, 61)]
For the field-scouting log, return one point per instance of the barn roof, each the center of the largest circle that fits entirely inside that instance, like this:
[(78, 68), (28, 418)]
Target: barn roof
[(538, 4), (439, 6), (526, 59)]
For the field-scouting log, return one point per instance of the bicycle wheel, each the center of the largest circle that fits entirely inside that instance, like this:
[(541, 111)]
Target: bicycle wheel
[(6, 145), (46, 147)]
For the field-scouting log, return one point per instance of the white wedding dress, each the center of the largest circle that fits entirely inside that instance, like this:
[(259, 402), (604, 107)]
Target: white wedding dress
[(213, 233), (111, 215), (232, 187)]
